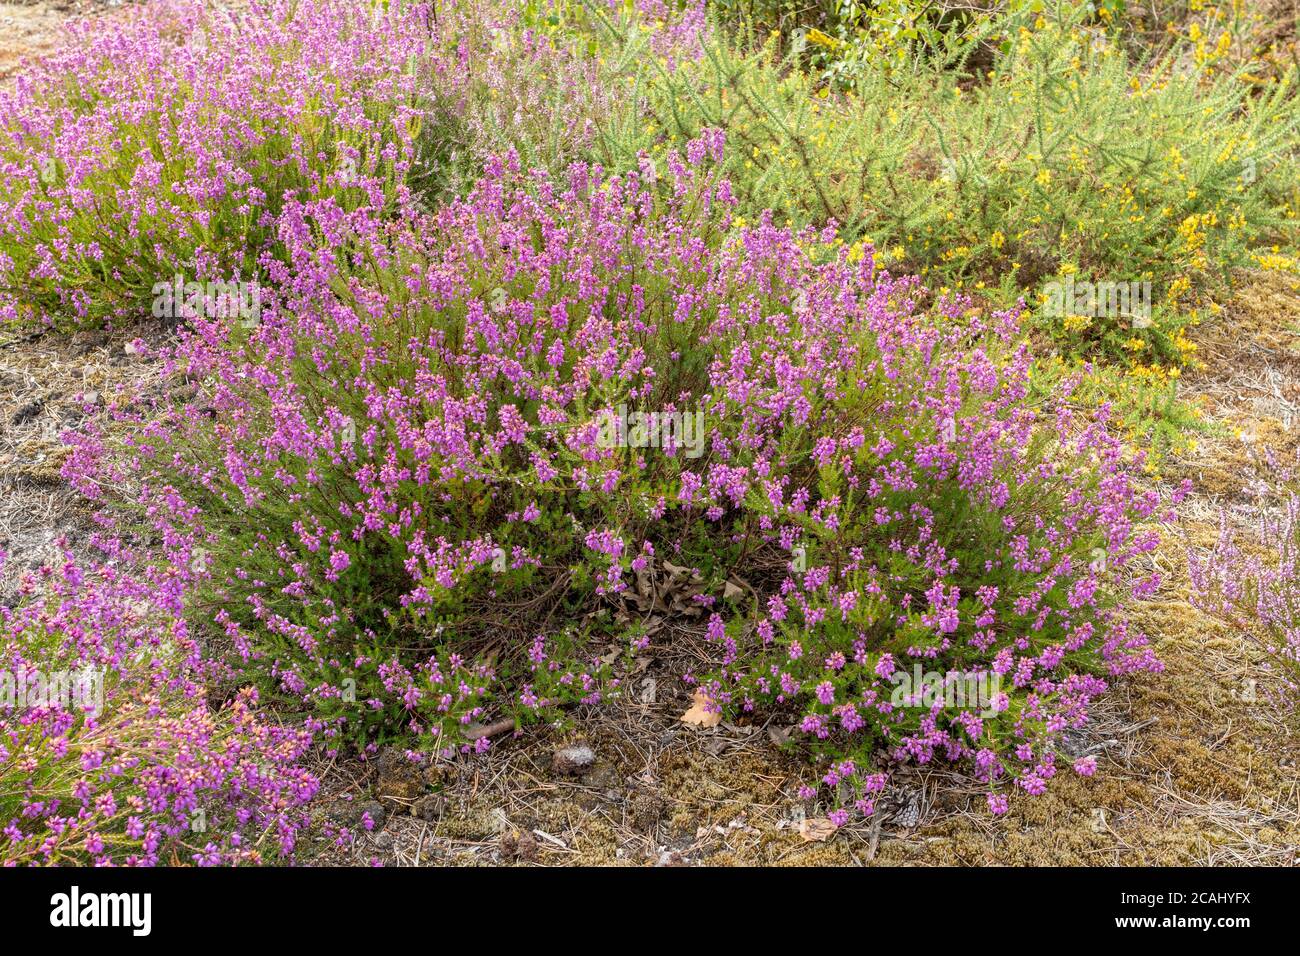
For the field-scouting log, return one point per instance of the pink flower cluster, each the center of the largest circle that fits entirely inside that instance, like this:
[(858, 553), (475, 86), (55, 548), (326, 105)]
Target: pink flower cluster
[(956, 548), (148, 768), (167, 145), (411, 436)]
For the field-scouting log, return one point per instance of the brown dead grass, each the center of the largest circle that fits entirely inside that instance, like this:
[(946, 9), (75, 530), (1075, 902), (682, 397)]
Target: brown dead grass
[(50, 384)]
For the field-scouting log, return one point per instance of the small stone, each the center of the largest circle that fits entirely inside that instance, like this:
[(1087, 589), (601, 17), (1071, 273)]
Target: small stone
[(28, 412), (378, 812), (344, 813), (671, 858), (601, 776), (574, 760)]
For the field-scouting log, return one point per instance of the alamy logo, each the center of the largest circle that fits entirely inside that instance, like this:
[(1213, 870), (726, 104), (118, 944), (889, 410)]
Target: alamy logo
[(1130, 300), (81, 690), (956, 689), (74, 909), (179, 299), (670, 431)]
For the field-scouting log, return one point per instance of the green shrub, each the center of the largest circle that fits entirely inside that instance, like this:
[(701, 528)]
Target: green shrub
[(1024, 149)]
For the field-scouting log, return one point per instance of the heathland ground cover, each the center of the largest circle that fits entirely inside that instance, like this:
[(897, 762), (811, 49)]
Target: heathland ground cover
[(484, 376)]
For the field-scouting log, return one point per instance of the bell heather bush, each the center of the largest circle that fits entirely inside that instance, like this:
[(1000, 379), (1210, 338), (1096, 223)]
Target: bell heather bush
[(958, 530), (478, 412), (169, 145), (151, 769), (391, 493)]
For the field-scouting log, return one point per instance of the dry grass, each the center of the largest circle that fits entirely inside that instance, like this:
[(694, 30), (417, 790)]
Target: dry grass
[(49, 384)]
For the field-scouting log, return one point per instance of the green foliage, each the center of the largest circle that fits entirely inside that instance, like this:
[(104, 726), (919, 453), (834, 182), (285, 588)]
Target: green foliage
[(1021, 148)]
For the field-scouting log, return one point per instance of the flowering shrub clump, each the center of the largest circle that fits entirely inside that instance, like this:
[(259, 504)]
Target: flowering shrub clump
[(961, 550), (168, 146), (1256, 589), (137, 765), (450, 435)]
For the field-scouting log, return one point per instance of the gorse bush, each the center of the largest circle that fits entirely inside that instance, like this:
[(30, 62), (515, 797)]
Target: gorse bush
[(1023, 149), (134, 766), (434, 454)]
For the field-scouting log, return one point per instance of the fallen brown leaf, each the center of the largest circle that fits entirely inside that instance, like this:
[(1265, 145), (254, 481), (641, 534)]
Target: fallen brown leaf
[(699, 715), (817, 830)]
